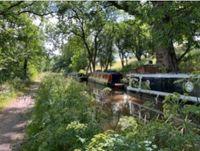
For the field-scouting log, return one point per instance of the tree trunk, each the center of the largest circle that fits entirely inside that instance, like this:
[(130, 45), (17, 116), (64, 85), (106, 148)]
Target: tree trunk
[(122, 59), (138, 56), (93, 63), (25, 67), (166, 58), (101, 67), (165, 54), (126, 60), (122, 62)]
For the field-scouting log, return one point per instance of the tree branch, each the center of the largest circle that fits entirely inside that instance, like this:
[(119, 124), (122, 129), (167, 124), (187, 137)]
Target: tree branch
[(186, 51), (10, 7), (124, 6), (35, 13)]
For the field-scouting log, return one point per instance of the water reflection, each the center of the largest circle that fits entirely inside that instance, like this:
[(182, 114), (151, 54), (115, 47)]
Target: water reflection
[(118, 100), (123, 103)]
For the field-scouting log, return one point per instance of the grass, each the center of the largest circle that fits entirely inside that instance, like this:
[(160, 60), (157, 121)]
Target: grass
[(7, 98), (117, 64), (132, 64), (9, 91)]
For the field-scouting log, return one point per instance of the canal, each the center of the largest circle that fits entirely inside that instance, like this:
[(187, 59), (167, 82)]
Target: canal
[(126, 103)]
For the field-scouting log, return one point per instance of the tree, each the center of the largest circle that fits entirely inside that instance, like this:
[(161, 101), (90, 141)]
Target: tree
[(106, 46), (123, 40), (171, 22), (73, 55), (20, 40), (21, 46), (132, 37), (86, 21)]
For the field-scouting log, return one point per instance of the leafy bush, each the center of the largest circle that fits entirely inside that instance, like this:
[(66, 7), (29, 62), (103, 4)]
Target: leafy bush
[(191, 62), (128, 124), (133, 135), (108, 140), (130, 67), (32, 72), (18, 84), (61, 105), (65, 118)]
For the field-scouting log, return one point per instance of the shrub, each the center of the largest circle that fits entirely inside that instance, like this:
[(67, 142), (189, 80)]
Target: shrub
[(65, 118), (61, 105), (106, 141), (32, 72), (133, 65)]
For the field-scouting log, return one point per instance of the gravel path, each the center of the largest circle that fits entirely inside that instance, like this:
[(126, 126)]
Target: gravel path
[(13, 120)]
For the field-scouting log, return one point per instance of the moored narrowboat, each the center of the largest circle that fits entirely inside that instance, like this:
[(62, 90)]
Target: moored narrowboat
[(109, 78), (166, 84)]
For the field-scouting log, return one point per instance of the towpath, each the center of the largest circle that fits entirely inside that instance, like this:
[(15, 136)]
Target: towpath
[(14, 119)]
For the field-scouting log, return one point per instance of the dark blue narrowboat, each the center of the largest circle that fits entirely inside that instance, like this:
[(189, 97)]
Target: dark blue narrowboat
[(187, 85)]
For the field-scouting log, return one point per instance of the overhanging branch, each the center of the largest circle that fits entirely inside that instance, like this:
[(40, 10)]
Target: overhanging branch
[(10, 7), (186, 51)]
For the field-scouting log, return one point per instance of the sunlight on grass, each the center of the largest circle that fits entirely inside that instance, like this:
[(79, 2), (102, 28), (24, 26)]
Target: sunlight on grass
[(7, 98), (10, 91), (117, 64)]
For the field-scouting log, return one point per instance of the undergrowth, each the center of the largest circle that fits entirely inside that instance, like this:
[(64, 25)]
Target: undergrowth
[(10, 90), (65, 119)]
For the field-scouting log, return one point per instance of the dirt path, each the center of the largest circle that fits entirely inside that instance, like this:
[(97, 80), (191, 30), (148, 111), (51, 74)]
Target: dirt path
[(13, 120)]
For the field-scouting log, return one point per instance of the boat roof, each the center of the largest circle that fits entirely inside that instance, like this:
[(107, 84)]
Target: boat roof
[(107, 72), (165, 75)]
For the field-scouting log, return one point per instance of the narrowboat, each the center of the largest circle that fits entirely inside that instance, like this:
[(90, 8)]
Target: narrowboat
[(110, 78), (159, 84)]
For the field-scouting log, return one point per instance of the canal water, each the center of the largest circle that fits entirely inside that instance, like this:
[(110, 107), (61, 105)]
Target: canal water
[(118, 103), (126, 103)]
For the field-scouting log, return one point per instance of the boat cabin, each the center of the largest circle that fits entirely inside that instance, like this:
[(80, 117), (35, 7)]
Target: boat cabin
[(165, 84), (109, 78)]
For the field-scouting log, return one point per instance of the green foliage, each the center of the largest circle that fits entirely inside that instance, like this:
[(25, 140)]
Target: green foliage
[(7, 92), (105, 46), (65, 118), (191, 62), (86, 22), (171, 105), (33, 72), (106, 91), (108, 140), (159, 135), (130, 67), (21, 41), (61, 105), (132, 37), (73, 56), (10, 90), (155, 135), (169, 25), (25, 49), (127, 124), (192, 109)]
